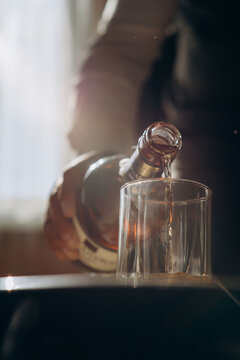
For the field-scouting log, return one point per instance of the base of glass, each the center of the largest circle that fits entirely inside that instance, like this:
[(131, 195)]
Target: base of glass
[(168, 279)]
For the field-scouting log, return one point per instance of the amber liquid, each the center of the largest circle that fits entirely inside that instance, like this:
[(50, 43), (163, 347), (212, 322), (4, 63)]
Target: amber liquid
[(98, 202), (165, 154)]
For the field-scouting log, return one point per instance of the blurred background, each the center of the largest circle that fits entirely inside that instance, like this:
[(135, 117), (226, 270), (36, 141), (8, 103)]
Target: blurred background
[(42, 43)]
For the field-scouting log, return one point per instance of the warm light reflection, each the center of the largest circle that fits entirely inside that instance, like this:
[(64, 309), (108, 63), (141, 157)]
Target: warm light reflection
[(9, 283), (135, 233)]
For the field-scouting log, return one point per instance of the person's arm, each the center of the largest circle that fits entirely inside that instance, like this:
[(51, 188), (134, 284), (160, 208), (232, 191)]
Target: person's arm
[(127, 42), (107, 100)]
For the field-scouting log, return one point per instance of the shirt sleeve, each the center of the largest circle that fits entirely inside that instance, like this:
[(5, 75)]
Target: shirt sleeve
[(129, 35)]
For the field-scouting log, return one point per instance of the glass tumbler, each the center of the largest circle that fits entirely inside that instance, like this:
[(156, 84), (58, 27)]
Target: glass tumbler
[(164, 229)]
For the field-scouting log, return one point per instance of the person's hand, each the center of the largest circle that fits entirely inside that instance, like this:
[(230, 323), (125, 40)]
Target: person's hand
[(58, 227)]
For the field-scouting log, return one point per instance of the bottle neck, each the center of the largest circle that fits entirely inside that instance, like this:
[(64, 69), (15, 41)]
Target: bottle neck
[(155, 151), (136, 168)]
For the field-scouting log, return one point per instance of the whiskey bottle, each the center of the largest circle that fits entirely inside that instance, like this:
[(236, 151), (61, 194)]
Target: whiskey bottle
[(96, 221)]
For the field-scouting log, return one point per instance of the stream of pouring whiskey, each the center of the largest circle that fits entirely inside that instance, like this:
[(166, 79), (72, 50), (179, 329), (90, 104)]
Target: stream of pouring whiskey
[(169, 202)]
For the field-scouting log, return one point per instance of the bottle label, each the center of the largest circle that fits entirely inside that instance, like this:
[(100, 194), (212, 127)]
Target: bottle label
[(92, 254)]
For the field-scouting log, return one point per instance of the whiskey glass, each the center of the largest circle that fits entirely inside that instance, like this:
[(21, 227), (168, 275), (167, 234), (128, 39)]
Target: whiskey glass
[(164, 229)]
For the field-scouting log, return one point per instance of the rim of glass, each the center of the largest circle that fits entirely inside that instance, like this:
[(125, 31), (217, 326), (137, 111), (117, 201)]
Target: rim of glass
[(208, 191)]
